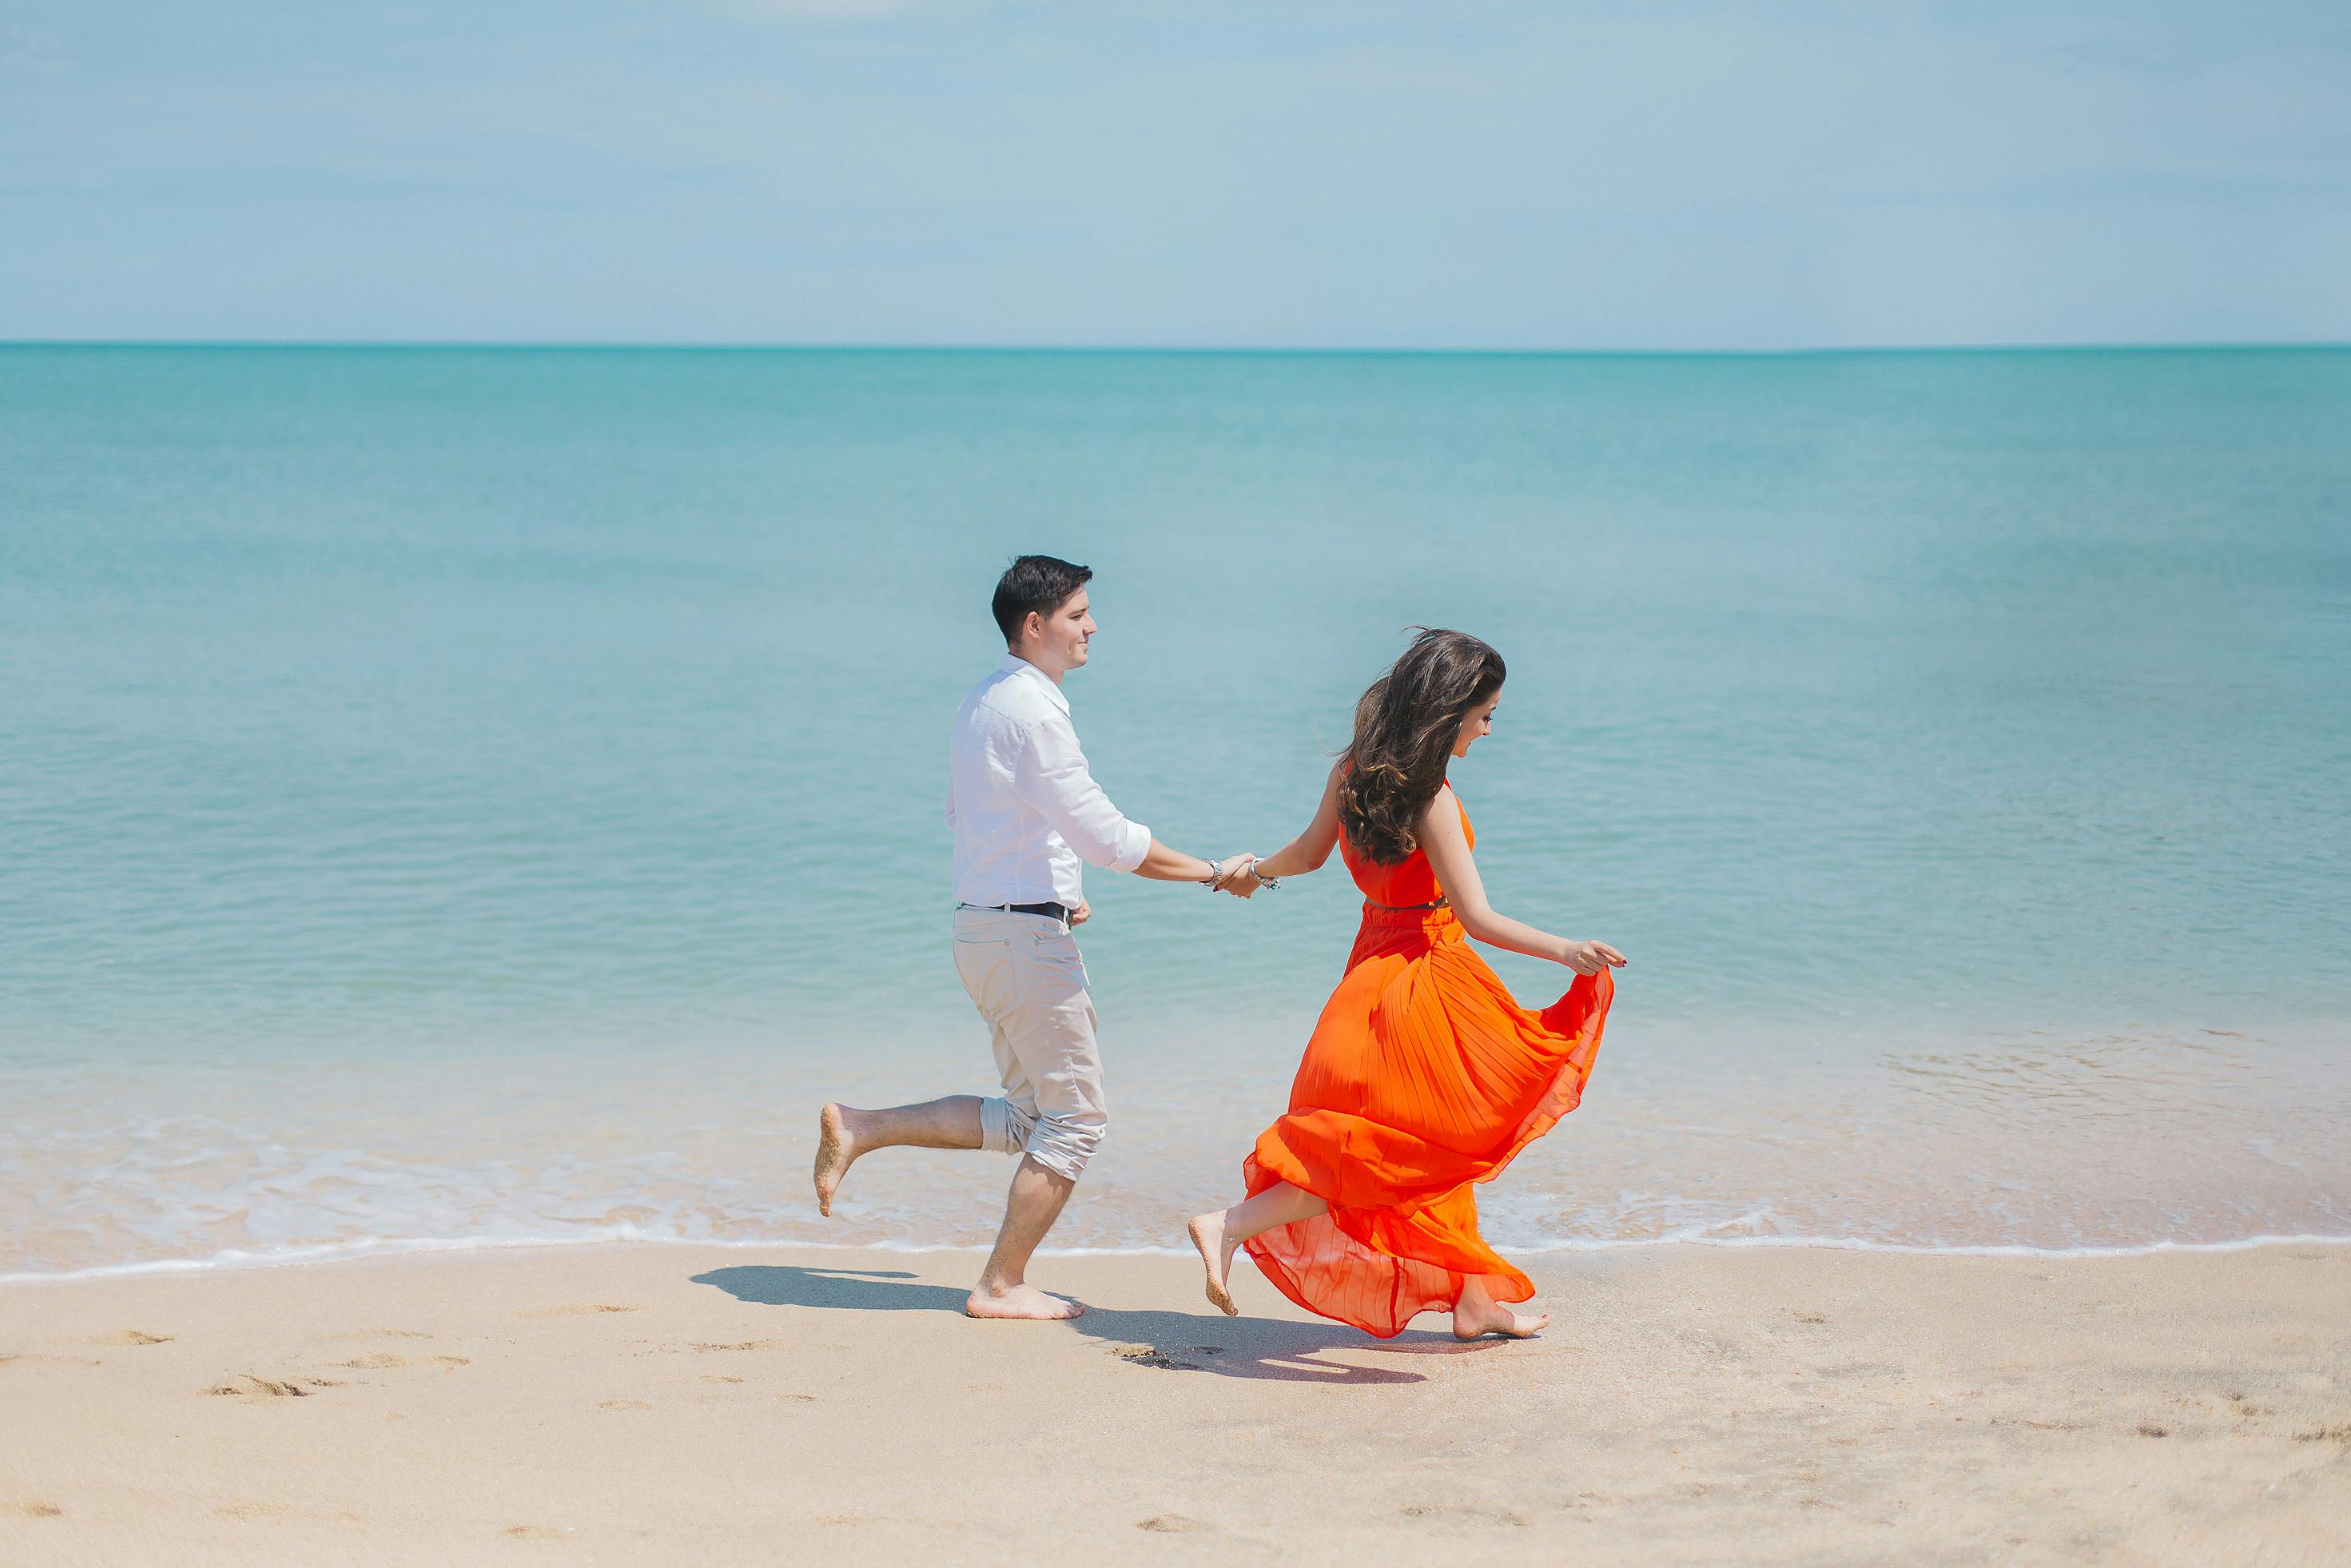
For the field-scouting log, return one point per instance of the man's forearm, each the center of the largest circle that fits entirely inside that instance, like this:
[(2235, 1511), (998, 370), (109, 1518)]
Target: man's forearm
[(1161, 864)]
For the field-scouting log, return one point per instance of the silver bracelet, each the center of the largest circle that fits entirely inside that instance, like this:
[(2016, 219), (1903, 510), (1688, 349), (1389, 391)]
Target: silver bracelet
[(1215, 870)]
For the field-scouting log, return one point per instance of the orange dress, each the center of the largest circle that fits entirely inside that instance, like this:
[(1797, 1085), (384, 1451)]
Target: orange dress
[(1424, 1077)]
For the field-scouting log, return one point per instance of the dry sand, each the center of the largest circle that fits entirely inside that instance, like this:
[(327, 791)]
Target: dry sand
[(670, 1405)]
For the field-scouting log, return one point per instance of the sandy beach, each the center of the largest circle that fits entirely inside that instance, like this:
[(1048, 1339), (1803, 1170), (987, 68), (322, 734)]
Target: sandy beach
[(666, 1403)]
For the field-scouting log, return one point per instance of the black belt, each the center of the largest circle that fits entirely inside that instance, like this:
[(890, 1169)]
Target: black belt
[(1049, 910)]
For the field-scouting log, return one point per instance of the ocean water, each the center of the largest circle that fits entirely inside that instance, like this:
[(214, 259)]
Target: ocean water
[(456, 796)]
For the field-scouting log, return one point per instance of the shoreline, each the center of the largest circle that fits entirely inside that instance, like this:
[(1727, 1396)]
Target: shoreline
[(2053, 1147), (336, 1252), (683, 1403)]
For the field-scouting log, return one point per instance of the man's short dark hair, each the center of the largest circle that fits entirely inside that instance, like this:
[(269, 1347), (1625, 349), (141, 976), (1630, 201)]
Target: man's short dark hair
[(1034, 582)]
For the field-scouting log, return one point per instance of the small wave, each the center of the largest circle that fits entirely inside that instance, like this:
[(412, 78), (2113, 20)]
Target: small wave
[(343, 1251), (1954, 1250)]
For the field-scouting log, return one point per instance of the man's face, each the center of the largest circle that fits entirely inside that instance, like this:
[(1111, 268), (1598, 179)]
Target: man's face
[(1058, 644)]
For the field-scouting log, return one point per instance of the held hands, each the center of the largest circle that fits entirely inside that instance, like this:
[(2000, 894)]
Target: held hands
[(1590, 957), (1239, 877)]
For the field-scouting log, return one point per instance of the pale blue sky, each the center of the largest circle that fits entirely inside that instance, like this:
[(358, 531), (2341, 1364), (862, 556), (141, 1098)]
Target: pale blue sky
[(1478, 173)]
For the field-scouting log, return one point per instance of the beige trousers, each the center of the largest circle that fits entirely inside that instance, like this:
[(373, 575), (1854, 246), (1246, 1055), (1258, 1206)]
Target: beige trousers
[(1024, 975)]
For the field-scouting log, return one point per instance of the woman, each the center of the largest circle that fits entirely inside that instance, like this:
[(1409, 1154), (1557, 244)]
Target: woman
[(1423, 1076)]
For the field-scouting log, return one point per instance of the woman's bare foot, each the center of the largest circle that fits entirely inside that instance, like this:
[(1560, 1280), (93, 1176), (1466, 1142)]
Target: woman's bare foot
[(836, 1151), (1476, 1320), (1018, 1302), (1217, 1257)]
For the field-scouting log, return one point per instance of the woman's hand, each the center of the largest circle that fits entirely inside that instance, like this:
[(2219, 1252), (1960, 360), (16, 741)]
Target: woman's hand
[(1240, 878), (1590, 957)]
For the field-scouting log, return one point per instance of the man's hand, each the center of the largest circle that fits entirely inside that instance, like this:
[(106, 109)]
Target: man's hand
[(1080, 915), (1240, 878)]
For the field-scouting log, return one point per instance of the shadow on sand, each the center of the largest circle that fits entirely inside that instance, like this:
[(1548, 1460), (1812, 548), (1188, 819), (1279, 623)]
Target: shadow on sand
[(1175, 1341)]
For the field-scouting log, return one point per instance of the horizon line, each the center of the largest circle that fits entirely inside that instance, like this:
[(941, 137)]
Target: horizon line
[(553, 345)]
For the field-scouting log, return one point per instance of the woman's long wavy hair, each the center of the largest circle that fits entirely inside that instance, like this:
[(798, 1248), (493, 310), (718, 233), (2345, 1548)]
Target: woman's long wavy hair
[(1406, 726)]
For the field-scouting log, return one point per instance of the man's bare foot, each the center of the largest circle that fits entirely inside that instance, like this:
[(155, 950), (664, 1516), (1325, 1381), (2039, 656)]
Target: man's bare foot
[(836, 1151), (1217, 1257), (1476, 1322), (1019, 1301)]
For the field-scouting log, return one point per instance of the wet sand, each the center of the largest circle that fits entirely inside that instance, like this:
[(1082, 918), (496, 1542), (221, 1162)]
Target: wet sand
[(684, 1405)]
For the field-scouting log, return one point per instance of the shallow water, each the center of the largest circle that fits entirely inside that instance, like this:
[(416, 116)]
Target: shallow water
[(466, 796)]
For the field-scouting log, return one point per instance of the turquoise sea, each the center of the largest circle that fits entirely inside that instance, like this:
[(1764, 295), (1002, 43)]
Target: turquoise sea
[(471, 796)]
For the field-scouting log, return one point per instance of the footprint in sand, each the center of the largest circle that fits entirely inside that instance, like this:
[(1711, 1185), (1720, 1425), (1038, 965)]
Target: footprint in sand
[(384, 1361), (31, 1510), (532, 1532), (251, 1387), (1152, 1355), (1464, 1513), (623, 1404), (577, 1310), (1169, 1524), (134, 1336), (718, 1377)]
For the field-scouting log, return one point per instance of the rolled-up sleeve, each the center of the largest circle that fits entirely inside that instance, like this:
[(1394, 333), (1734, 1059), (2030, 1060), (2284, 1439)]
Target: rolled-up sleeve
[(1050, 776)]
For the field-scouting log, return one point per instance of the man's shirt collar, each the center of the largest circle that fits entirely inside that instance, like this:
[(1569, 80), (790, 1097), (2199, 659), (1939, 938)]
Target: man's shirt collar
[(1014, 664)]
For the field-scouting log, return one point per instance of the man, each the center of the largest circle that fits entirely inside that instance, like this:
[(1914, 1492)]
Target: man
[(1025, 811)]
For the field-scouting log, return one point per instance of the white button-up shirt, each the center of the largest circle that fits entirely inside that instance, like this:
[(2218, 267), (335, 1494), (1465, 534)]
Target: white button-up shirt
[(1023, 807)]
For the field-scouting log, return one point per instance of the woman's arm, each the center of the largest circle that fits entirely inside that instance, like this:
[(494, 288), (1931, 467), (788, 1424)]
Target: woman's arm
[(1310, 849), (1447, 848)]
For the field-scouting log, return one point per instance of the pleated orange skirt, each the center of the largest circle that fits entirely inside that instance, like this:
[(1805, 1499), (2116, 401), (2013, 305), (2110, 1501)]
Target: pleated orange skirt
[(1424, 1077)]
